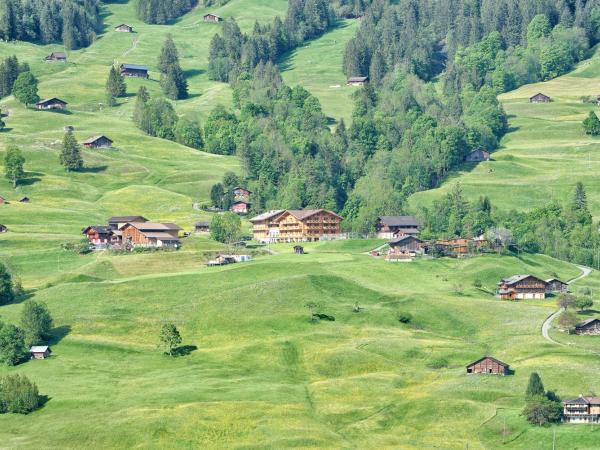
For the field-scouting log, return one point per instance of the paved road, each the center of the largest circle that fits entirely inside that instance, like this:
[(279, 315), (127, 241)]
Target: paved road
[(585, 271)]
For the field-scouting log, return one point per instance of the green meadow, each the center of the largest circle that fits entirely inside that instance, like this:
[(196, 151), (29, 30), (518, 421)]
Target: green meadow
[(259, 373)]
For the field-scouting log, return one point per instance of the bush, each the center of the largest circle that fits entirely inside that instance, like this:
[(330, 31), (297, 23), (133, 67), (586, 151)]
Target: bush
[(542, 411), (18, 395), (438, 363), (405, 317), (12, 345)]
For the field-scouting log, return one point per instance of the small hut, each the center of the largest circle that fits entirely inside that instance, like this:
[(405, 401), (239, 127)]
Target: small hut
[(56, 56), (3, 228), (210, 17), (488, 365), (51, 103), (124, 28), (202, 227), (298, 250), (40, 352), (539, 98), (100, 141), (357, 81)]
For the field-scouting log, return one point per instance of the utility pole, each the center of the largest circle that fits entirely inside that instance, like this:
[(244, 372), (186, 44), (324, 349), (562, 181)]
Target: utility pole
[(554, 438)]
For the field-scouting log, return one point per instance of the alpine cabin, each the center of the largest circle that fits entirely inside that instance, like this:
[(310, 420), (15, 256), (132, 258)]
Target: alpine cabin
[(134, 70), (99, 236), (241, 193), (150, 234), (265, 227), (296, 225), (357, 81), (554, 285), (488, 365), (240, 207), (40, 352), (478, 156), (539, 98), (124, 28), (52, 103), (521, 287), (590, 327), (56, 56), (389, 227), (210, 17), (100, 141)]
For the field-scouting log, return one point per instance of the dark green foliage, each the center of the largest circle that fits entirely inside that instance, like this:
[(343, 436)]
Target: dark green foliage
[(168, 55), (36, 322), (9, 71), (12, 345), (141, 100), (225, 228), (591, 124), (25, 89), (568, 321), (74, 22), (115, 86), (18, 395), (535, 387), (70, 155), (217, 194), (542, 411), (169, 337), (189, 133), (163, 11), (172, 79), (13, 164), (7, 294), (220, 130), (584, 303), (159, 119), (405, 317)]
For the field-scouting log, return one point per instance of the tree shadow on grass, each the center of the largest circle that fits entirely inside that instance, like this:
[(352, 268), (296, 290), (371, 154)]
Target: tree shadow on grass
[(42, 400), (95, 169), (184, 350), (64, 112), (58, 334), (6, 130), (193, 72)]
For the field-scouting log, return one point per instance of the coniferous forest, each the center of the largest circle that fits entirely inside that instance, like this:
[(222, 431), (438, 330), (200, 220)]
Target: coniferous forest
[(162, 11)]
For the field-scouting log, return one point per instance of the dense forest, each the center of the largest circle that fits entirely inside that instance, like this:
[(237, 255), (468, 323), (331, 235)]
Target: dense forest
[(162, 11), (73, 22)]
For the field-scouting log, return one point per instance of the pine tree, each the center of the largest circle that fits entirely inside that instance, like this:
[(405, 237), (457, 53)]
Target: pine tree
[(173, 83), (168, 55), (70, 156), (141, 99), (7, 293), (580, 199), (13, 164), (25, 89), (36, 322), (591, 125), (535, 386), (115, 86), (377, 69)]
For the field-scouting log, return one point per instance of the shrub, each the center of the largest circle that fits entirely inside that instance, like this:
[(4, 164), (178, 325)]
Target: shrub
[(542, 411), (18, 395), (405, 317)]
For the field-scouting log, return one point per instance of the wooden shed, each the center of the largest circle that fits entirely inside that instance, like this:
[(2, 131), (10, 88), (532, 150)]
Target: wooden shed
[(40, 352), (3, 228), (51, 103), (240, 207), (100, 141), (56, 56), (134, 70), (298, 250), (590, 327), (488, 365), (357, 81), (202, 227), (124, 28), (539, 98), (210, 17)]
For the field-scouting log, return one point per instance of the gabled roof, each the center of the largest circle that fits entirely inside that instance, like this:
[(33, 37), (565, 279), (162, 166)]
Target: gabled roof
[(242, 188), (51, 100), (583, 400), (153, 226), (302, 214), (551, 280), (39, 349), (202, 224), (503, 364), (212, 15), (134, 67), (587, 322), (101, 229), (267, 215), (403, 238), (516, 278), (58, 54), (540, 94), (397, 221), (124, 219), (123, 25), (95, 138)]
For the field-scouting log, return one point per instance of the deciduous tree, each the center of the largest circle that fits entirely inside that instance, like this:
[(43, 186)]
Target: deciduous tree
[(36, 322), (13, 164), (12, 345), (25, 89), (169, 337)]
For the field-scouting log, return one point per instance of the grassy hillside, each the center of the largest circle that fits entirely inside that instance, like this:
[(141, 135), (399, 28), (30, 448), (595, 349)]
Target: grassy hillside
[(544, 153)]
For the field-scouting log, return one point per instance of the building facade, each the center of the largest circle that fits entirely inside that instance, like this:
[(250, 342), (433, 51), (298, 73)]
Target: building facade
[(520, 287), (98, 142), (296, 225), (150, 234), (488, 365), (582, 410), (389, 227), (590, 327)]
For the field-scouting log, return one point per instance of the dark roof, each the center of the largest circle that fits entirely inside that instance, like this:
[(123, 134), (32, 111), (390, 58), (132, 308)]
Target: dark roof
[(583, 400), (202, 224), (58, 54), (96, 138), (243, 188), (102, 229), (51, 100), (396, 221), (539, 94), (516, 278), (154, 226), (551, 280), (503, 364), (587, 322), (403, 238), (213, 15), (134, 67), (124, 219), (123, 25), (24, 199)]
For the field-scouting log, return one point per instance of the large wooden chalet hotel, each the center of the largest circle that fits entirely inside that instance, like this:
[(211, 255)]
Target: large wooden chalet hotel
[(296, 225), (582, 410)]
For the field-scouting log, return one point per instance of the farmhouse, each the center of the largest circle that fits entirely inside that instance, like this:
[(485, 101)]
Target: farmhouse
[(265, 227), (478, 156), (590, 327), (124, 28), (150, 234), (539, 98), (40, 352), (3, 228), (488, 365), (100, 236), (56, 56), (134, 70), (406, 244), (201, 227), (240, 207), (357, 81), (117, 222), (100, 141), (210, 17), (308, 225), (521, 287), (51, 103), (582, 410), (388, 227), (240, 193), (554, 285)]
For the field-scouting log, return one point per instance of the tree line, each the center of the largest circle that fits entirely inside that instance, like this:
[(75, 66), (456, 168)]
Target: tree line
[(163, 11), (72, 22)]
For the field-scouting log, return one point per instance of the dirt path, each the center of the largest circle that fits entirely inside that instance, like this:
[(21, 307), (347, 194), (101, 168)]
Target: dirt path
[(585, 271), (132, 48)]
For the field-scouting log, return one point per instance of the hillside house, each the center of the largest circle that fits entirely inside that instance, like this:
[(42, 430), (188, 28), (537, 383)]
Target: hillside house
[(40, 352), (124, 28), (3, 228), (590, 327), (99, 236), (539, 98), (240, 207), (24, 200), (210, 17), (406, 244), (56, 56), (582, 410), (521, 287), (357, 81), (100, 141), (150, 234), (308, 225), (240, 193), (117, 222), (265, 227), (389, 227), (202, 227), (134, 70), (554, 286), (478, 156), (488, 365), (52, 103)]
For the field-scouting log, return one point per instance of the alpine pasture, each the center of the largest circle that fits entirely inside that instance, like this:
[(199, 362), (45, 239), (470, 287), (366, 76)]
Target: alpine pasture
[(259, 373)]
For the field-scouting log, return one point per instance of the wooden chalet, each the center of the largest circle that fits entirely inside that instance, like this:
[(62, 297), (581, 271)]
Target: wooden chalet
[(24, 200), (583, 409), (124, 28), (134, 70), (590, 327), (150, 234), (117, 222), (478, 156), (52, 103), (56, 56), (100, 141), (308, 225), (357, 81), (240, 207), (240, 193), (40, 352), (554, 285), (406, 244), (100, 236), (265, 227), (488, 365), (210, 17), (539, 98), (202, 227), (454, 247), (298, 250), (521, 287), (3, 228), (389, 227)]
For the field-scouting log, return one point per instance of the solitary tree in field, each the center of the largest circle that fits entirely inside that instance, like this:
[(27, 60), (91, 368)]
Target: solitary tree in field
[(141, 99), (7, 293), (115, 86), (36, 322), (170, 337), (535, 386), (12, 345), (566, 301), (225, 228), (591, 125), (13, 164), (25, 89), (584, 303), (70, 156), (2, 124)]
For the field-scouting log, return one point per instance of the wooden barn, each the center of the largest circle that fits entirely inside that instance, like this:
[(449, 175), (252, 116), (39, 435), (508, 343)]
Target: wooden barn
[(357, 81), (134, 70), (488, 365), (478, 156), (521, 287), (56, 56), (583, 409), (40, 352), (298, 250), (52, 103), (589, 327), (389, 227), (210, 17), (240, 193), (117, 222), (406, 244), (202, 227), (554, 285), (124, 28), (100, 141), (150, 234), (98, 235), (240, 207), (539, 98)]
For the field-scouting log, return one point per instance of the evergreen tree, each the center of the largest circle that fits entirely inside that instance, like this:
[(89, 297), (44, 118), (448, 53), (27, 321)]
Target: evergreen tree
[(535, 386), (25, 89), (12, 345), (7, 293), (168, 55), (172, 78), (580, 198), (591, 125), (377, 69), (189, 133), (9, 71), (141, 99), (70, 156), (13, 164), (216, 195), (36, 322), (115, 86)]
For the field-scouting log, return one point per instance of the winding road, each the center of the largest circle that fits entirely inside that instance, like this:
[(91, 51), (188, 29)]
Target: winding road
[(585, 271)]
